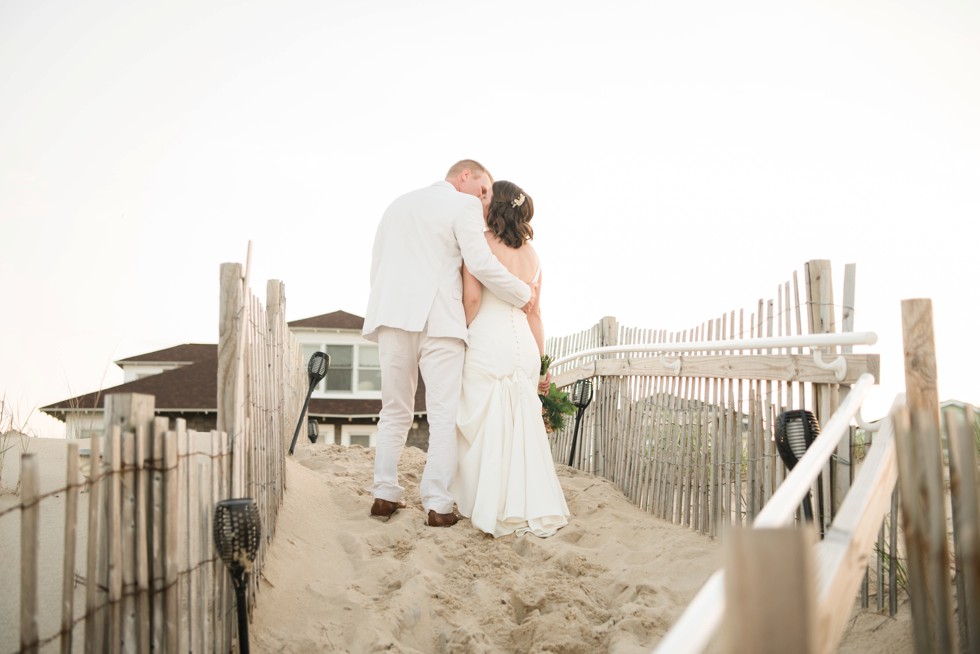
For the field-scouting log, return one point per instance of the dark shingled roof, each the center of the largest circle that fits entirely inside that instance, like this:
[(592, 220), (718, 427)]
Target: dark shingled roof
[(194, 387), (186, 353), (335, 320)]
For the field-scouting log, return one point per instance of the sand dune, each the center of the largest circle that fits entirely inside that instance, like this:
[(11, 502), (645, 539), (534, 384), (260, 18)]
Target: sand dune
[(613, 580)]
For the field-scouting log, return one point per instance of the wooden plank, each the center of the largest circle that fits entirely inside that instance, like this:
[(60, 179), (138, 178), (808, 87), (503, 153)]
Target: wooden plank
[(171, 549), (932, 541), (30, 541), (114, 543), (214, 568), (231, 375), (128, 412), (673, 448), (843, 553), (682, 508), (68, 562), (847, 312), (190, 585), (921, 386), (94, 616), (659, 444), (763, 367), (923, 492), (184, 531), (820, 314), (965, 499), (766, 413), (769, 591), (128, 544), (157, 535), (143, 508)]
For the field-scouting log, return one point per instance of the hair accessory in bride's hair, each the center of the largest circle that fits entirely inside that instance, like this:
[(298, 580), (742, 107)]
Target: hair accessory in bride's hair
[(518, 201)]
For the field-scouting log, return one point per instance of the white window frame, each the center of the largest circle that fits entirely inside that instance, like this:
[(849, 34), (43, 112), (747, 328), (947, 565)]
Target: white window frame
[(347, 430), (319, 342)]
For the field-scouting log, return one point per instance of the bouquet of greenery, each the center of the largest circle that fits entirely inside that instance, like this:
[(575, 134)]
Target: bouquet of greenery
[(555, 404)]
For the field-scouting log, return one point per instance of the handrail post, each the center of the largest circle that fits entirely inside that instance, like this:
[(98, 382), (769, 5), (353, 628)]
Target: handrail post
[(607, 416), (821, 316)]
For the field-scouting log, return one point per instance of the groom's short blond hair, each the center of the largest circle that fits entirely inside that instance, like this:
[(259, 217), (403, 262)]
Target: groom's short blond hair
[(474, 167)]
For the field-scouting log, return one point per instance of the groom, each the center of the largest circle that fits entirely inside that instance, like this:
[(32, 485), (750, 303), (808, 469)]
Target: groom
[(415, 314)]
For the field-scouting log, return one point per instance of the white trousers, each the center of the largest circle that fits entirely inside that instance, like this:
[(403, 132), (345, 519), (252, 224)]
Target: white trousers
[(403, 355)]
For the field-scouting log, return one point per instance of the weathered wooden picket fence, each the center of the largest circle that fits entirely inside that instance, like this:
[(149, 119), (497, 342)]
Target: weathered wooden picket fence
[(783, 590), (687, 431), (684, 423), (138, 567)]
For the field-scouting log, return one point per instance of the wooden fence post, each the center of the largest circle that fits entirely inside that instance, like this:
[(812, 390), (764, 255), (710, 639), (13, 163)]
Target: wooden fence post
[(609, 330), (921, 482), (820, 310), (770, 594), (231, 374)]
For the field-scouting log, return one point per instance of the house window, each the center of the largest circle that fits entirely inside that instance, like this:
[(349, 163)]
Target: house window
[(363, 435), (341, 373), (368, 368), (352, 367)]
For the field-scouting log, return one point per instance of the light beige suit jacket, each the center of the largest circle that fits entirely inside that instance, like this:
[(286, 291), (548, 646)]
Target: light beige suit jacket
[(421, 243)]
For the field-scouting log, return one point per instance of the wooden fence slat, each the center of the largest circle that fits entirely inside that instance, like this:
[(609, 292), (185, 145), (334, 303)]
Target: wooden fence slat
[(158, 535), (128, 545), (965, 492), (171, 553), (186, 614), (93, 613), (30, 539), (143, 481), (68, 563), (114, 542)]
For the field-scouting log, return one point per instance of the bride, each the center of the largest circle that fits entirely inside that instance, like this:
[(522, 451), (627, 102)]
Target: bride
[(505, 479)]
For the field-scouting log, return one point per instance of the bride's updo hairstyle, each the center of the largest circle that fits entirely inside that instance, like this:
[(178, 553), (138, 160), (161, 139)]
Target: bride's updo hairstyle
[(509, 214)]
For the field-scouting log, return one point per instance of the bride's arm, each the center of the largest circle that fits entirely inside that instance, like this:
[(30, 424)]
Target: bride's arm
[(537, 329), (534, 317), (472, 294)]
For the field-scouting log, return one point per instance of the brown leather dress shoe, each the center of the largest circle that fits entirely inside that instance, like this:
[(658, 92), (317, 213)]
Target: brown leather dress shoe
[(442, 519), (383, 509)]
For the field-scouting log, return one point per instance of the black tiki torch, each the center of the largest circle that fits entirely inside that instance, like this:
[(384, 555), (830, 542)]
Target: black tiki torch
[(795, 431), (581, 397), (236, 536), (317, 368)]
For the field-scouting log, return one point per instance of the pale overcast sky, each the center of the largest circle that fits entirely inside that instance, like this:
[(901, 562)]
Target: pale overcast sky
[(684, 159)]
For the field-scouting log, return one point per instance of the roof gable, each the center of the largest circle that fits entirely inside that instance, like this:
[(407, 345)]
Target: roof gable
[(335, 320), (186, 353), (194, 386)]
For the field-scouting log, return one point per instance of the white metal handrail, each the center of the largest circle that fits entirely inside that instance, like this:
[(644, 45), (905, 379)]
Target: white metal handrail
[(810, 341), (699, 622)]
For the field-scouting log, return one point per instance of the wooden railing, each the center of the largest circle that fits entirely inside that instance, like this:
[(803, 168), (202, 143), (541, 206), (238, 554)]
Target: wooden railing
[(771, 612), (686, 433)]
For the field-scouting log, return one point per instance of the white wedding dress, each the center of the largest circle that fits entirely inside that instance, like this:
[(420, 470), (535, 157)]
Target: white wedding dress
[(505, 481)]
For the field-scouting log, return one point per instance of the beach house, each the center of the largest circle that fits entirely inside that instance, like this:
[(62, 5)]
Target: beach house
[(183, 380)]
